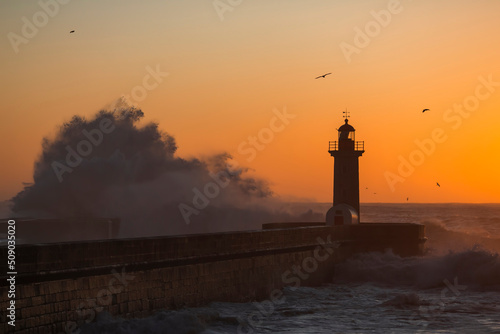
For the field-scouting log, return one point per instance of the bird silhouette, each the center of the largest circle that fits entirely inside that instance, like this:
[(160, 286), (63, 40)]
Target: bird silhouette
[(407, 198), (323, 76), (425, 110), (72, 31), (438, 184)]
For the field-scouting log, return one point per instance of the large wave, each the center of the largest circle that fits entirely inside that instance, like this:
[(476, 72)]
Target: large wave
[(110, 166)]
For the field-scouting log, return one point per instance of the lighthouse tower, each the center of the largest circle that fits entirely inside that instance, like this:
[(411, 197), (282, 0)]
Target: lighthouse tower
[(345, 151)]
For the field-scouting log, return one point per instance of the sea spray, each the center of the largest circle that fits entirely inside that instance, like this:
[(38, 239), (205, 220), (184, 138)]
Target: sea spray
[(476, 268), (129, 169)]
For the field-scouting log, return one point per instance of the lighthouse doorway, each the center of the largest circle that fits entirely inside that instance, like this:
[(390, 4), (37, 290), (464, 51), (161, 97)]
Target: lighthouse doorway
[(341, 214)]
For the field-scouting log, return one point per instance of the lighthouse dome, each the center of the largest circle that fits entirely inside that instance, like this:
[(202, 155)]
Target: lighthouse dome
[(346, 127)]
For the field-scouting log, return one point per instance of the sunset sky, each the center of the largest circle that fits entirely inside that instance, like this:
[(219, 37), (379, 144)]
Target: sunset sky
[(232, 65)]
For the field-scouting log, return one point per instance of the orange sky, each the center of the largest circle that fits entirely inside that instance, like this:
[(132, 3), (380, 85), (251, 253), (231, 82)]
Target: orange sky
[(226, 76)]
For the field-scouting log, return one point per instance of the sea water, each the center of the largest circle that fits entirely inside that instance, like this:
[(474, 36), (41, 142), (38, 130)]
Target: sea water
[(453, 288)]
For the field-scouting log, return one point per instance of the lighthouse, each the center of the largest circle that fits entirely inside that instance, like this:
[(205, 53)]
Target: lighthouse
[(345, 151)]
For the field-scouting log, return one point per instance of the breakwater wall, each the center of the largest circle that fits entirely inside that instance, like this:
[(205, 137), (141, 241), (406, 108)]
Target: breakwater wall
[(60, 286), (42, 230)]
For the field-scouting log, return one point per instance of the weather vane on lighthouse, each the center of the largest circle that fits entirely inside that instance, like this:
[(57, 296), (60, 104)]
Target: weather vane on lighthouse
[(346, 114)]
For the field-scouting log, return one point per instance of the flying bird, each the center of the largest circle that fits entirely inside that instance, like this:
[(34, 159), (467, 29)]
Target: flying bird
[(323, 76), (72, 31), (438, 184), (426, 110)]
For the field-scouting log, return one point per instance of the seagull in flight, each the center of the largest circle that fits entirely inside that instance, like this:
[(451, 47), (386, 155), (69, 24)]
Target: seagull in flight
[(438, 184), (323, 76), (426, 110), (72, 31)]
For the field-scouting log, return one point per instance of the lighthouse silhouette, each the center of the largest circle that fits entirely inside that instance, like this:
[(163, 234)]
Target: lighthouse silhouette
[(345, 151)]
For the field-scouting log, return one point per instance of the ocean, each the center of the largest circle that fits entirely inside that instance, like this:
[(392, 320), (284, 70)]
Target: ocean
[(453, 288)]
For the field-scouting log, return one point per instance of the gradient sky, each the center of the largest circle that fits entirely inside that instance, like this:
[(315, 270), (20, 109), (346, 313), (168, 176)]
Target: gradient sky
[(226, 76)]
